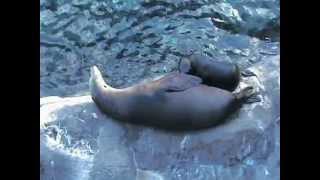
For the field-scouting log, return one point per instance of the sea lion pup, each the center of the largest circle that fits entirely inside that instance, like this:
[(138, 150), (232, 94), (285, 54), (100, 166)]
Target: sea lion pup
[(176, 101), (222, 75)]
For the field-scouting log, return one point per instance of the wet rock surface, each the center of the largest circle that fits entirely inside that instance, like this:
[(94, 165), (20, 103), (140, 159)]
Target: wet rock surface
[(79, 142)]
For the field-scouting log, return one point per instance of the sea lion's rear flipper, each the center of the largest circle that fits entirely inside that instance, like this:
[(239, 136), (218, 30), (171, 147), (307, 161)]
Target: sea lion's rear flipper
[(248, 73), (184, 65), (178, 82), (247, 96), (253, 99)]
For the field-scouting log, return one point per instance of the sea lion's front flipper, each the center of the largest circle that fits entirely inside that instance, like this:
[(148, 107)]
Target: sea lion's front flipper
[(184, 65), (178, 82)]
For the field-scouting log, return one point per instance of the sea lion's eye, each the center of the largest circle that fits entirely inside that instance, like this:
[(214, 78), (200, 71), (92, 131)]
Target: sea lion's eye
[(104, 86)]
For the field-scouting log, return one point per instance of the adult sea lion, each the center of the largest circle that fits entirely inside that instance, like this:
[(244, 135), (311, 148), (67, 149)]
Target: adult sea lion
[(223, 75), (176, 101)]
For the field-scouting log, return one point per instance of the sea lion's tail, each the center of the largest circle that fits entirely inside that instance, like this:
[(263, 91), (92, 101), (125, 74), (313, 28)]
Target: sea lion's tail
[(247, 95)]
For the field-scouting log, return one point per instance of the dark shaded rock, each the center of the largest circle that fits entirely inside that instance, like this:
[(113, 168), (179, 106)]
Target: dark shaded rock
[(259, 19)]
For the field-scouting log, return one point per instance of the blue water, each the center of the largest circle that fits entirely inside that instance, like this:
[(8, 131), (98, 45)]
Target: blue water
[(136, 39)]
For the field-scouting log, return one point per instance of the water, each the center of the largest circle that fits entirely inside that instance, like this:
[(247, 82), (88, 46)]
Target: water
[(131, 40)]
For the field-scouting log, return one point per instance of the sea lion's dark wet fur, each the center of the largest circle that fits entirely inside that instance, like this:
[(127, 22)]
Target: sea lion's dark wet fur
[(222, 75), (175, 102)]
